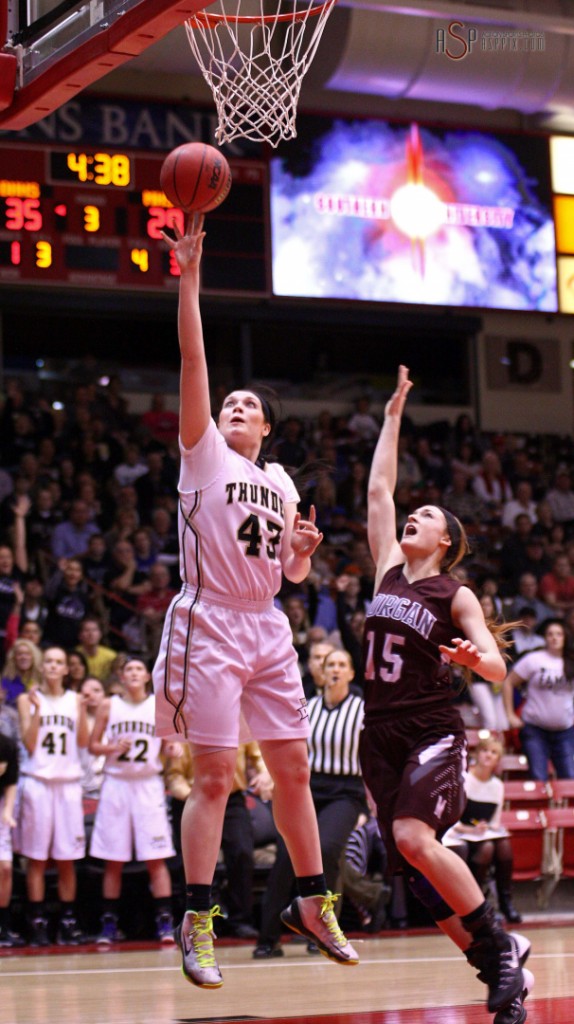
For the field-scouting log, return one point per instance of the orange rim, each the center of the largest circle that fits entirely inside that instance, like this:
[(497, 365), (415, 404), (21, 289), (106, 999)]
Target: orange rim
[(205, 19)]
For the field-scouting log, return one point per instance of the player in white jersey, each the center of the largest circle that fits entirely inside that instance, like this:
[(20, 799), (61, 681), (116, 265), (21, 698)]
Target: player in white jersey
[(132, 811), (51, 821), (226, 650)]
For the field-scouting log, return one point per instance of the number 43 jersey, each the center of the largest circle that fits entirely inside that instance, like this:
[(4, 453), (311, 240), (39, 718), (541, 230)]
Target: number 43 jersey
[(231, 520), (404, 669), (136, 722)]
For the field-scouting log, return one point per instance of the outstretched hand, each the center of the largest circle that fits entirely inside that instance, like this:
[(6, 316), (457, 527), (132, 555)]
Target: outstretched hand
[(189, 247), (396, 402), (305, 538), (462, 652)]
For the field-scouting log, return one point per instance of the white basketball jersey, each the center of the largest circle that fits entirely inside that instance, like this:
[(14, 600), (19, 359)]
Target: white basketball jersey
[(55, 755), (137, 722), (231, 520)]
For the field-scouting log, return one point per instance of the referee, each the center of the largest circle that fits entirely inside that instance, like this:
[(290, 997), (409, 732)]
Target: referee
[(336, 719)]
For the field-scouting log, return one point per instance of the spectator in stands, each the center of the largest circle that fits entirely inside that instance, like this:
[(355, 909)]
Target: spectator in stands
[(31, 631), (132, 810), (51, 824), (479, 836), (336, 719), (431, 464), (527, 594), (238, 838), (97, 560), (524, 636), (132, 467), (363, 426), (466, 460), (99, 658), (352, 492), (536, 561), (8, 786), (157, 486), (313, 679), (22, 670), (126, 584), (153, 606), (290, 448), (556, 587), (560, 498), (488, 696), (34, 607), (126, 522), (522, 504), (546, 720), (296, 612), (77, 671), (144, 551), (491, 486), (70, 538), (161, 424), (461, 501), (68, 603), (42, 520), (514, 553), (545, 521)]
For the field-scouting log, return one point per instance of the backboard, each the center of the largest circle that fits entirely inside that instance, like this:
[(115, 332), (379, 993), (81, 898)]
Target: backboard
[(53, 52)]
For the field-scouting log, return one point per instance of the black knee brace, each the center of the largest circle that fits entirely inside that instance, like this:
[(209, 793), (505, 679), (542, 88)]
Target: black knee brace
[(427, 894)]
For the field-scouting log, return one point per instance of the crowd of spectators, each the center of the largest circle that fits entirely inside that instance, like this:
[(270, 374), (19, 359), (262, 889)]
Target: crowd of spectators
[(88, 529)]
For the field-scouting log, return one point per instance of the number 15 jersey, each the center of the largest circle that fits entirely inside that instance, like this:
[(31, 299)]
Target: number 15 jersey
[(404, 669)]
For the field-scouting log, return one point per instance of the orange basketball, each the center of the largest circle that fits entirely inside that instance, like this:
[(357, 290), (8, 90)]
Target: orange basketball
[(195, 177)]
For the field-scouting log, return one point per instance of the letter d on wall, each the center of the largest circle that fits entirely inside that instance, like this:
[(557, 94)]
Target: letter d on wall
[(524, 362)]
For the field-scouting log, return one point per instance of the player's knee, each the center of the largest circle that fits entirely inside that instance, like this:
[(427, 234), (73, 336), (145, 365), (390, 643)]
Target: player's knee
[(213, 784), (427, 895), (294, 775), (411, 842)]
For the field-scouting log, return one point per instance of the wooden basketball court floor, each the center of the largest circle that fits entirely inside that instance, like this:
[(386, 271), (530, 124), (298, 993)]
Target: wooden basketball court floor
[(402, 979)]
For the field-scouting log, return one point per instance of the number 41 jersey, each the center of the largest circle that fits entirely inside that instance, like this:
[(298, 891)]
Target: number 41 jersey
[(404, 669), (55, 757), (136, 722)]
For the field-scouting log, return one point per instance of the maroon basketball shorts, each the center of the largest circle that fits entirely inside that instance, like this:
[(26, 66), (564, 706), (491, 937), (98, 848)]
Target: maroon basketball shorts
[(414, 766)]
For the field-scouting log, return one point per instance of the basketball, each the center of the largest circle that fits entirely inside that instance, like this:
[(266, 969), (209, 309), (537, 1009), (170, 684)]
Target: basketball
[(195, 177)]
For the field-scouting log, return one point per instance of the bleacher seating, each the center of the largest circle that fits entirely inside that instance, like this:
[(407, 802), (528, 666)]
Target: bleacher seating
[(527, 830), (527, 793)]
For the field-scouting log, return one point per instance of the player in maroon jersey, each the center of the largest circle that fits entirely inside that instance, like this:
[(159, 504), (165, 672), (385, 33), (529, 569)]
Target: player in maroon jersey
[(413, 748)]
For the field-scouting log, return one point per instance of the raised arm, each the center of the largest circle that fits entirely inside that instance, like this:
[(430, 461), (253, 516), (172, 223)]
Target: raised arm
[(194, 408), (382, 522)]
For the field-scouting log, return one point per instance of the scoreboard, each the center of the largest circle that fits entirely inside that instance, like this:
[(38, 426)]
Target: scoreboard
[(91, 218)]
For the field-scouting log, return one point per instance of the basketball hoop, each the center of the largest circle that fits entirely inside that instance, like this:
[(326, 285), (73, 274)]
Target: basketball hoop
[(255, 63)]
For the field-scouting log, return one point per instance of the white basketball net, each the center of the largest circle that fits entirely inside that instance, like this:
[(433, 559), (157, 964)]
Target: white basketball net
[(254, 63)]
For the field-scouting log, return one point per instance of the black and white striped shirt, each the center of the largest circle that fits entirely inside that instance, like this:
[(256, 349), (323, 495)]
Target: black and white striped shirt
[(334, 739)]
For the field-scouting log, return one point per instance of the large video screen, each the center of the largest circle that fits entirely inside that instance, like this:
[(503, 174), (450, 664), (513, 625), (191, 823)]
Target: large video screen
[(381, 212)]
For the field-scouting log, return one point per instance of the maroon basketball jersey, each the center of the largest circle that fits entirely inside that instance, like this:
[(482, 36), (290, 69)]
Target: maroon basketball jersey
[(406, 622)]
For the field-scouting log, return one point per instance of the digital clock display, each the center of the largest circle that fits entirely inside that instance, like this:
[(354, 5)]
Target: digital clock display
[(105, 169), (94, 220)]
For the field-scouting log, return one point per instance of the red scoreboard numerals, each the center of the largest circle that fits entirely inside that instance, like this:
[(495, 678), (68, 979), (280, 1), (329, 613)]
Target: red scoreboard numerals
[(15, 254), (23, 214), (161, 218), (173, 265)]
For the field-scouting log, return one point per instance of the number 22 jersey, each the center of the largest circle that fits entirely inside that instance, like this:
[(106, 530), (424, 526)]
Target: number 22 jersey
[(404, 669)]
